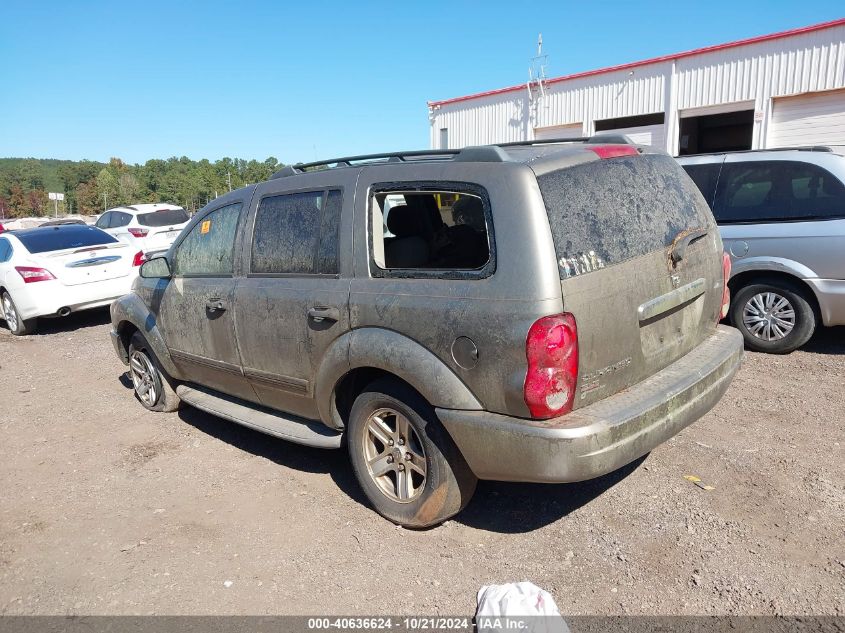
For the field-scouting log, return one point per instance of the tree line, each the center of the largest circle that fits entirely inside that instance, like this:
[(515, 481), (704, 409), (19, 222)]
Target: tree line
[(90, 187)]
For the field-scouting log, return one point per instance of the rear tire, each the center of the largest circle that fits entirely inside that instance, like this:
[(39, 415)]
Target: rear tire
[(403, 458), (15, 323), (152, 387), (774, 316)]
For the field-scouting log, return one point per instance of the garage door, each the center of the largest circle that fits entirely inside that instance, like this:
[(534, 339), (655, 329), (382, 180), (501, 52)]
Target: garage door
[(573, 130), (643, 134), (811, 119)]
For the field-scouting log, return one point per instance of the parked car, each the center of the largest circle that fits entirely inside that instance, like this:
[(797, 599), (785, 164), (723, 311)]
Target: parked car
[(150, 227), (781, 214), (543, 313), (53, 271)]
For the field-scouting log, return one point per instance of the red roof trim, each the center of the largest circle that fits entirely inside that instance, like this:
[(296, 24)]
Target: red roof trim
[(653, 60)]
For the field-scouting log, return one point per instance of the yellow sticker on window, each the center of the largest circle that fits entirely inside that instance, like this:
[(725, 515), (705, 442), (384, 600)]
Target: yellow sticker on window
[(205, 227)]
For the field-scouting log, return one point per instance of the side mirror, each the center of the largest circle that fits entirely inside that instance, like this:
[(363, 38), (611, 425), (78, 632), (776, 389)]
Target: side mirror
[(156, 268)]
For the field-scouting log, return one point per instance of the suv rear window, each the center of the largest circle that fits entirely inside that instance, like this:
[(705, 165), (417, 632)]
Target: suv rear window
[(164, 217), (58, 238), (607, 211)]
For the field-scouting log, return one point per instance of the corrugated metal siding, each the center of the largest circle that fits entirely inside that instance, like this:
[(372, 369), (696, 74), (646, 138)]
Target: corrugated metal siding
[(758, 72), (804, 120), (809, 62)]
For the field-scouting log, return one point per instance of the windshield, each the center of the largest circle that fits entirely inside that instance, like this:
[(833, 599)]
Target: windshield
[(165, 217), (57, 238)]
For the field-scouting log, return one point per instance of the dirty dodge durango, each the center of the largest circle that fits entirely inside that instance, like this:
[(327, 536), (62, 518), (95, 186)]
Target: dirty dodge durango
[(543, 312)]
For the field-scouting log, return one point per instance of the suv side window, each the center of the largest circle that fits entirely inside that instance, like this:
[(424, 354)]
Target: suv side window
[(119, 219), (816, 193), (772, 191), (208, 248), (5, 250), (103, 220), (297, 233), (423, 230), (705, 177)]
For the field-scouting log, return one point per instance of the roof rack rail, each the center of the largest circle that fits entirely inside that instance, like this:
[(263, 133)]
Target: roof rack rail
[(350, 161), (802, 148), (479, 154), (621, 139)]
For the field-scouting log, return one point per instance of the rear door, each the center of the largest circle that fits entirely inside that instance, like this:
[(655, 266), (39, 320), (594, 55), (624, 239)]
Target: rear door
[(196, 310), (119, 226), (784, 210), (616, 224), (293, 302)]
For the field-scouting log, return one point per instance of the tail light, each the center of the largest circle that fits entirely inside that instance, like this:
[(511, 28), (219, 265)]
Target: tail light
[(726, 293), (31, 275), (2, 229), (139, 258), (138, 232), (613, 151), (552, 351)]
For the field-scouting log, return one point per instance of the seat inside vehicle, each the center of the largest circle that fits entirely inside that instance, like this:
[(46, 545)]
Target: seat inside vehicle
[(432, 230)]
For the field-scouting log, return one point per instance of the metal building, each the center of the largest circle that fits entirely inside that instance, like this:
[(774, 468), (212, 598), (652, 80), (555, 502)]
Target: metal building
[(778, 90)]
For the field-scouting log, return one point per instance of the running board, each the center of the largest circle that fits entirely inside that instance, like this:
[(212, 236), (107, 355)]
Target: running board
[(284, 426)]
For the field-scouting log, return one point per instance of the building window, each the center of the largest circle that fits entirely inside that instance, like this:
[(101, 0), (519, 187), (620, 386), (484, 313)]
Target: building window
[(444, 138)]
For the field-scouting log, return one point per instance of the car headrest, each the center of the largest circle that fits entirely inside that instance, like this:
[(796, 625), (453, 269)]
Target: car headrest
[(469, 210), (402, 221)]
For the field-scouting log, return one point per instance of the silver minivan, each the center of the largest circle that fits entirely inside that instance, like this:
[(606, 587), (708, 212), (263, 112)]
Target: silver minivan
[(781, 214)]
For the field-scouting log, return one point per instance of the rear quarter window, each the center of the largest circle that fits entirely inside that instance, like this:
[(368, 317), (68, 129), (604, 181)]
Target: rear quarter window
[(607, 211), (57, 238)]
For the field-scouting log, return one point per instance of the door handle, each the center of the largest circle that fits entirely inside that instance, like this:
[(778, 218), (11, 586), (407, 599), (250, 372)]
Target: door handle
[(215, 305), (320, 314)]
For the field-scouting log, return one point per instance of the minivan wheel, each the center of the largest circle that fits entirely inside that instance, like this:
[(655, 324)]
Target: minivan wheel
[(403, 458), (151, 386), (16, 324), (774, 317)]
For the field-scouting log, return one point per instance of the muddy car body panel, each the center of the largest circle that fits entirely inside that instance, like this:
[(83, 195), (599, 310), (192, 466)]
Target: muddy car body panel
[(419, 283)]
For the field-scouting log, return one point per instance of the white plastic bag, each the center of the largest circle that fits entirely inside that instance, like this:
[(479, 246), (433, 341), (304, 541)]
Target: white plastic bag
[(517, 606)]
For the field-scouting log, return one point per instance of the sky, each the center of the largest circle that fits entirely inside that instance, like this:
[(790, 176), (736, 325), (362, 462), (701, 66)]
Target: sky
[(307, 80)]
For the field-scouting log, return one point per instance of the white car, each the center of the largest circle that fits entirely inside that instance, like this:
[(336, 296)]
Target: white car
[(56, 270), (150, 227)]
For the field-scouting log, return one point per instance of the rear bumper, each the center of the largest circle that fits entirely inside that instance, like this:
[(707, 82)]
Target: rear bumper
[(830, 294), (46, 298), (604, 436)]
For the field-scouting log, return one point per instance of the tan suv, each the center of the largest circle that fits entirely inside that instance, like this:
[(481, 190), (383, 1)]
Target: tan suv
[(543, 312)]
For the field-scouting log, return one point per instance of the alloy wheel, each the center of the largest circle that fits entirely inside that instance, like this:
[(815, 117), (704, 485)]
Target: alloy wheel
[(144, 378), (394, 455), (769, 316), (9, 313)]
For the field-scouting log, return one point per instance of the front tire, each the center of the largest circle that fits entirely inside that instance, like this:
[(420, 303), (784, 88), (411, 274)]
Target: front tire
[(403, 458), (774, 316), (16, 324), (152, 388)]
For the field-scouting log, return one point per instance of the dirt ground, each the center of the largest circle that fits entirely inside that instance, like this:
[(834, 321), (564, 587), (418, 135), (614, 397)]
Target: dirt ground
[(106, 508)]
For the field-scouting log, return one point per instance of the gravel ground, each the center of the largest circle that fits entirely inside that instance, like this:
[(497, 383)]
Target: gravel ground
[(110, 509)]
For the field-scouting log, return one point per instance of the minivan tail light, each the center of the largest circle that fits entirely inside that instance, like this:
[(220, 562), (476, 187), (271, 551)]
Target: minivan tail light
[(138, 232), (551, 348), (726, 293), (613, 151), (139, 258), (31, 274)]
